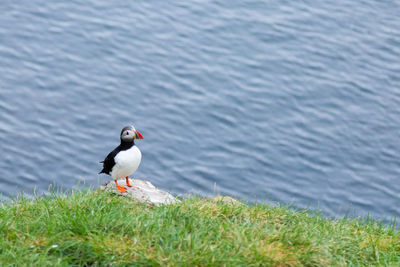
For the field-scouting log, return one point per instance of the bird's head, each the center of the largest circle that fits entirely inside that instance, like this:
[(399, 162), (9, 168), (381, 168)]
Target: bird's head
[(129, 133)]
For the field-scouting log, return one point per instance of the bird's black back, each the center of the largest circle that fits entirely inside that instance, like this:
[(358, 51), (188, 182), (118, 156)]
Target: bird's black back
[(109, 161)]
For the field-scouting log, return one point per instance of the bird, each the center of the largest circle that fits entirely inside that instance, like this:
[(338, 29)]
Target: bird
[(124, 159)]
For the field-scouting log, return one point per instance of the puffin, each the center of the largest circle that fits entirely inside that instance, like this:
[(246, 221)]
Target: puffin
[(124, 159)]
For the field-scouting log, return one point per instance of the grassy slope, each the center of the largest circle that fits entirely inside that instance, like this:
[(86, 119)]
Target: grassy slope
[(98, 228)]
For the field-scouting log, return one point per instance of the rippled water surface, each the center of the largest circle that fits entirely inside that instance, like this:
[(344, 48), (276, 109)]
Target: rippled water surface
[(297, 102)]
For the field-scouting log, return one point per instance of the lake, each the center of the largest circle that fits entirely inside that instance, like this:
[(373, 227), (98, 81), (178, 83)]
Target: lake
[(269, 101)]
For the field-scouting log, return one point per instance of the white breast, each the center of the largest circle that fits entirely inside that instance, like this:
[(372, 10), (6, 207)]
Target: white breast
[(126, 163)]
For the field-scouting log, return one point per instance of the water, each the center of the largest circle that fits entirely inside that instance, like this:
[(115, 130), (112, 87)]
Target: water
[(296, 102)]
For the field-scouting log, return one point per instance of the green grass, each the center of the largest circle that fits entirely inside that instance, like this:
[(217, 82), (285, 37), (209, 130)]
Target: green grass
[(96, 228)]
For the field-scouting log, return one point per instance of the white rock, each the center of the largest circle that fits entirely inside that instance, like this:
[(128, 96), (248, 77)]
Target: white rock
[(143, 191)]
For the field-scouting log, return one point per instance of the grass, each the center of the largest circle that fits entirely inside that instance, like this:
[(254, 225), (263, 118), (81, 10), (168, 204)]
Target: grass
[(97, 228)]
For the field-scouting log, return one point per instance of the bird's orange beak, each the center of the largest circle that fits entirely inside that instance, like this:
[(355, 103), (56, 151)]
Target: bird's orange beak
[(139, 135)]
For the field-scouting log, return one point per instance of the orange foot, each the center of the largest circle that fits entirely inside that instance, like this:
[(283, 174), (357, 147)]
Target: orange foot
[(127, 182), (120, 188)]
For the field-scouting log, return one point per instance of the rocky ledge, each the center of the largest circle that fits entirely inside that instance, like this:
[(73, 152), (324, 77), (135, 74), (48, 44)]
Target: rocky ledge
[(143, 191)]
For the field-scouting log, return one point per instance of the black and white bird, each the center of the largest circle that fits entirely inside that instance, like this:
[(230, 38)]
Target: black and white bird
[(124, 159)]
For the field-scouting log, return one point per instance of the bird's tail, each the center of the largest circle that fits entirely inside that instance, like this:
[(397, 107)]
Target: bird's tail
[(102, 171)]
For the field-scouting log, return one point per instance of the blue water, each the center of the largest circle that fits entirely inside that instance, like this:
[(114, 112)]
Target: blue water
[(289, 101)]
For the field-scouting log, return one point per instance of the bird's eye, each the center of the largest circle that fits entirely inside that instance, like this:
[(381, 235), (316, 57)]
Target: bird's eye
[(127, 133)]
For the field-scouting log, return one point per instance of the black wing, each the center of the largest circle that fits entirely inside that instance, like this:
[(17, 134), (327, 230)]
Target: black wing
[(109, 162)]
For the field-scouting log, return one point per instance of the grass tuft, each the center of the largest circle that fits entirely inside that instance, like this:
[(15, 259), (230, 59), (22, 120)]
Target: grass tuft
[(97, 228)]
